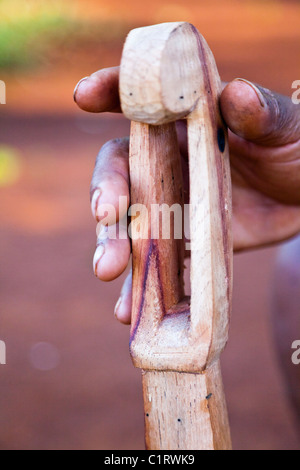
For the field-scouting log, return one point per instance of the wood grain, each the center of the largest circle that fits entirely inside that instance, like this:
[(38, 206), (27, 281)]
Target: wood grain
[(185, 411), (156, 179)]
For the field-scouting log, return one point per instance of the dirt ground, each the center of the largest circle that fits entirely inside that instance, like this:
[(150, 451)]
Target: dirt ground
[(69, 382)]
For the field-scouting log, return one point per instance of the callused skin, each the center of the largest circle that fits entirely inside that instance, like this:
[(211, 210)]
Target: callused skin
[(264, 143)]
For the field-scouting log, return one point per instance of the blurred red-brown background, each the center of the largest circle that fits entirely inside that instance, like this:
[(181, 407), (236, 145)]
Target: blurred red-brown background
[(69, 382)]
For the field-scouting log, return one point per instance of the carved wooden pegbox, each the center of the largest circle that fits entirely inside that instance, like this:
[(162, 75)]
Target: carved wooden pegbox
[(169, 73)]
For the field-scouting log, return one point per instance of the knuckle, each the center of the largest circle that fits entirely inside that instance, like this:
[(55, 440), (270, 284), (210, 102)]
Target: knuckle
[(112, 148), (106, 148)]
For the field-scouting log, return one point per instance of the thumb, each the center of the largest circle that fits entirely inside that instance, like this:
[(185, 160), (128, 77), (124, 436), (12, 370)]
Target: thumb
[(260, 115)]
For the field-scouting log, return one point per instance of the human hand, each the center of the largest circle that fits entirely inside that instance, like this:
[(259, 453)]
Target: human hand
[(264, 141)]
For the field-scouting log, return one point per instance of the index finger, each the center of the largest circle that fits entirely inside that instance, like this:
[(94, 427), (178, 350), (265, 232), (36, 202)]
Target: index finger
[(99, 93)]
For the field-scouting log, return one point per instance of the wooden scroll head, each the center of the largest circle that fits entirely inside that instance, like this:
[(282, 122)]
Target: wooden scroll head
[(168, 73)]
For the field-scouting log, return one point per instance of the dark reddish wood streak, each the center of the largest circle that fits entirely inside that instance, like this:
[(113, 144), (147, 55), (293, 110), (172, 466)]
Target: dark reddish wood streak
[(217, 123), (182, 307), (153, 250), (158, 270), (144, 282)]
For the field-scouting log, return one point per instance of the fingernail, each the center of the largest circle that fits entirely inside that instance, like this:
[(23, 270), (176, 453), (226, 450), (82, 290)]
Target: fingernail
[(117, 307), (95, 203), (77, 86), (102, 232), (97, 258), (258, 92)]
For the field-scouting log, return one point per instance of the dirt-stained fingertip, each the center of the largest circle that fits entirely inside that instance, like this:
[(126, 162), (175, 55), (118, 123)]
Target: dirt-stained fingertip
[(111, 258), (76, 88), (99, 92), (124, 305), (245, 110), (122, 311), (260, 115)]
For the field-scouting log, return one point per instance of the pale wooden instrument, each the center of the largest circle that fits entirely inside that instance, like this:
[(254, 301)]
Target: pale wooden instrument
[(168, 73)]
